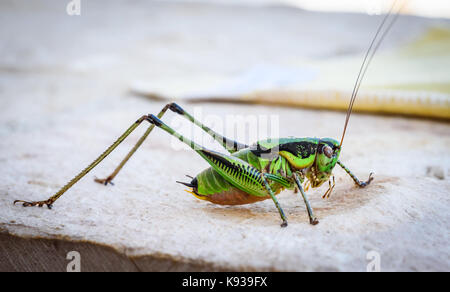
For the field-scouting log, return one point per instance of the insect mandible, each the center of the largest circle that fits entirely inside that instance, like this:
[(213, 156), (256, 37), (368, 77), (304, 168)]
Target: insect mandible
[(249, 174)]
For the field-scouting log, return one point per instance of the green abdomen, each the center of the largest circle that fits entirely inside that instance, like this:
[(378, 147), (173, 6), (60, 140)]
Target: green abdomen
[(213, 187)]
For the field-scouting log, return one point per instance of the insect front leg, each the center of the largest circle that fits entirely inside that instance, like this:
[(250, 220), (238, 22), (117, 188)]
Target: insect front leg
[(355, 179), (330, 189), (312, 219)]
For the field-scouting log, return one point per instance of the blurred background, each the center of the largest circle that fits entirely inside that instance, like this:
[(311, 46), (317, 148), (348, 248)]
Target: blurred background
[(182, 49), (432, 8)]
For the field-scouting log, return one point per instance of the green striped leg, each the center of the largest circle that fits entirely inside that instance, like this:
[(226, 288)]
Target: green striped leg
[(49, 202), (272, 195), (355, 179), (230, 145), (312, 219), (236, 171)]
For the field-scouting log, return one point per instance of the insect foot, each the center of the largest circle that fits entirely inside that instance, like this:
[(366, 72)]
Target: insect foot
[(38, 203), (366, 183), (104, 181), (313, 221), (284, 224)]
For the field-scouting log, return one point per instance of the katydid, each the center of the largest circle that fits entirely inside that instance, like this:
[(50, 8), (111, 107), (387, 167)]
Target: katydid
[(249, 174)]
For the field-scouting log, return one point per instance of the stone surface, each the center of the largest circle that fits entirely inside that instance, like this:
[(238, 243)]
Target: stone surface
[(63, 87)]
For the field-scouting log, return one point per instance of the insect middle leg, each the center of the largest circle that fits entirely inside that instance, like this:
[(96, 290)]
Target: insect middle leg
[(280, 210), (312, 219), (230, 145)]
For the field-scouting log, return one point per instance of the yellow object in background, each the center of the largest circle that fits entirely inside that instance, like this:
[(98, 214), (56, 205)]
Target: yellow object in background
[(413, 80), (420, 104)]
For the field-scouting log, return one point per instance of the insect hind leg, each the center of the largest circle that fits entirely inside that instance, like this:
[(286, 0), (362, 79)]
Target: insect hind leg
[(109, 178), (230, 145), (49, 202)]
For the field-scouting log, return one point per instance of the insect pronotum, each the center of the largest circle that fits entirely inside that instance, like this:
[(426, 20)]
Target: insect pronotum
[(250, 173)]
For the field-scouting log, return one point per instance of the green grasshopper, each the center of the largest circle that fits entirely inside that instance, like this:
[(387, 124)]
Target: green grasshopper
[(248, 174)]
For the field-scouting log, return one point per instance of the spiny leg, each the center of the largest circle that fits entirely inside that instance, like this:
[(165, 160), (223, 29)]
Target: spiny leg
[(238, 172), (230, 145), (312, 219), (110, 177), (355, 179), (49, 202)]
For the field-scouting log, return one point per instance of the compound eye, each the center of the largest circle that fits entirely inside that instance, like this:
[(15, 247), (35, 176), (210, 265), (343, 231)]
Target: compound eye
[(328, 151)]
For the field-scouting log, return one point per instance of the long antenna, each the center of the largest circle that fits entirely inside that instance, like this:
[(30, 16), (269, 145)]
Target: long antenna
[(367, 60)]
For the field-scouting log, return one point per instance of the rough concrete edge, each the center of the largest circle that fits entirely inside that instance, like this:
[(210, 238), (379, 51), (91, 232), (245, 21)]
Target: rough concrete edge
[(48, 253)]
